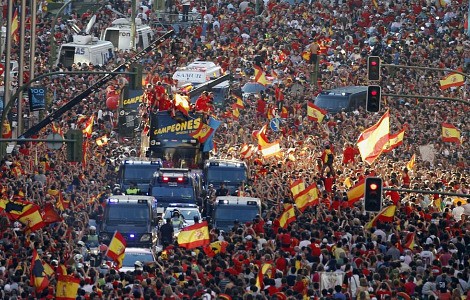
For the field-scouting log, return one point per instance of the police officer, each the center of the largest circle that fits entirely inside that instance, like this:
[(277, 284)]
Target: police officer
[(177, 220), (209, 205), (92, 237), (133, 189)]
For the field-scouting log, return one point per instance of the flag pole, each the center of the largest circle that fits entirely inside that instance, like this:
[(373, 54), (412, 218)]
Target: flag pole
[(19, 127), (7, 69)]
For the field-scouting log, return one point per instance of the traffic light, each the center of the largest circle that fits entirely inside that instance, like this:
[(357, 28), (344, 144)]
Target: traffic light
[(373, 68), (373, 98), (74, 149), (373, 194), (135, 82)]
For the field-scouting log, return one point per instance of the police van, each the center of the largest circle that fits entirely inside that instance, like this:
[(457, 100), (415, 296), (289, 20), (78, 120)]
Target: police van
[(119, 34), (173, 185), (231, 172), (228, 209), (133, 216), (197, 72), (139, 172), (342, 99)]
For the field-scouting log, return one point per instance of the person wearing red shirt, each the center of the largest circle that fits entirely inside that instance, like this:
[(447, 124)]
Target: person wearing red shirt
[(348, 154)]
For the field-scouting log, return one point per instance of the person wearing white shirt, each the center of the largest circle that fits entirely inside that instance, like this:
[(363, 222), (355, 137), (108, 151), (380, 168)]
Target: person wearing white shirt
[(458, 211)]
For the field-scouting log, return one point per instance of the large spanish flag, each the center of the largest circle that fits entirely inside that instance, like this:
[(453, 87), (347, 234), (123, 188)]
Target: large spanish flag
[(32, 219), (271, 149), (450, 133), (266, 270), (452, 80), (296, 187), (287, 216), (308, 197), (394, 141), (202, 133), (260, 76), (315, 113), (67, 287), (193, 236), (38, 277), (372, 140), (116, 249), (355, 193), (385, 215), (14, 208)]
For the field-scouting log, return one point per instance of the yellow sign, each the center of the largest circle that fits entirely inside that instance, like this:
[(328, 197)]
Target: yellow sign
[(180, 128), (132, 100)]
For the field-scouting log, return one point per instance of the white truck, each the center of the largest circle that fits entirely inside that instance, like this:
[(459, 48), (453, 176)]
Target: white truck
[(197, 72), (119, 34)]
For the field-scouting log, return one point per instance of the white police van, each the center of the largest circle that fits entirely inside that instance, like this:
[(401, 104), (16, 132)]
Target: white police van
[(119, 34)]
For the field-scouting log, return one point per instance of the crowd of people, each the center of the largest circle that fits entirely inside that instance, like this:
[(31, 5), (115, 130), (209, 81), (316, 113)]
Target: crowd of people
[(372, 262)]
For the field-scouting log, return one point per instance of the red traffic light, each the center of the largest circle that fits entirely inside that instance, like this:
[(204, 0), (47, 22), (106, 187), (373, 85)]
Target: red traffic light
[(373, 93), (373, 186), (373, 63)]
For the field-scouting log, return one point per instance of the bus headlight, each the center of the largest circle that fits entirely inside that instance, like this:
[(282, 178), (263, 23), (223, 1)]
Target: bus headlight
[(145, 238)]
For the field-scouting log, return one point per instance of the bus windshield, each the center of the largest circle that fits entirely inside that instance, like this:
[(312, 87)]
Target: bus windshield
[(178, 157), (332, 103)]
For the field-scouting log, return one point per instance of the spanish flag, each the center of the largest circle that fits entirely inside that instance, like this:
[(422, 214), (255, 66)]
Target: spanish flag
[(394, 141), (260, 135), (67, 287), (116, 249), (238, 102), (202, 133), (410, 165), (385, 215), (284, 113), (355, 193), (372, 140), (308, 197), (271, 149), (287, 216), (38, 277), (101, 141), (32, 219), (260, 76), (247, 151), (450, 133), (61, 203), (194, 236), (235, 113), (88, 127), (182, 104), (296, 187), (14, 208), (49, 215), (410, 241), (452, 80), (315, 113), (6, 130), (57, 129), (266, 270), (15, 27)]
